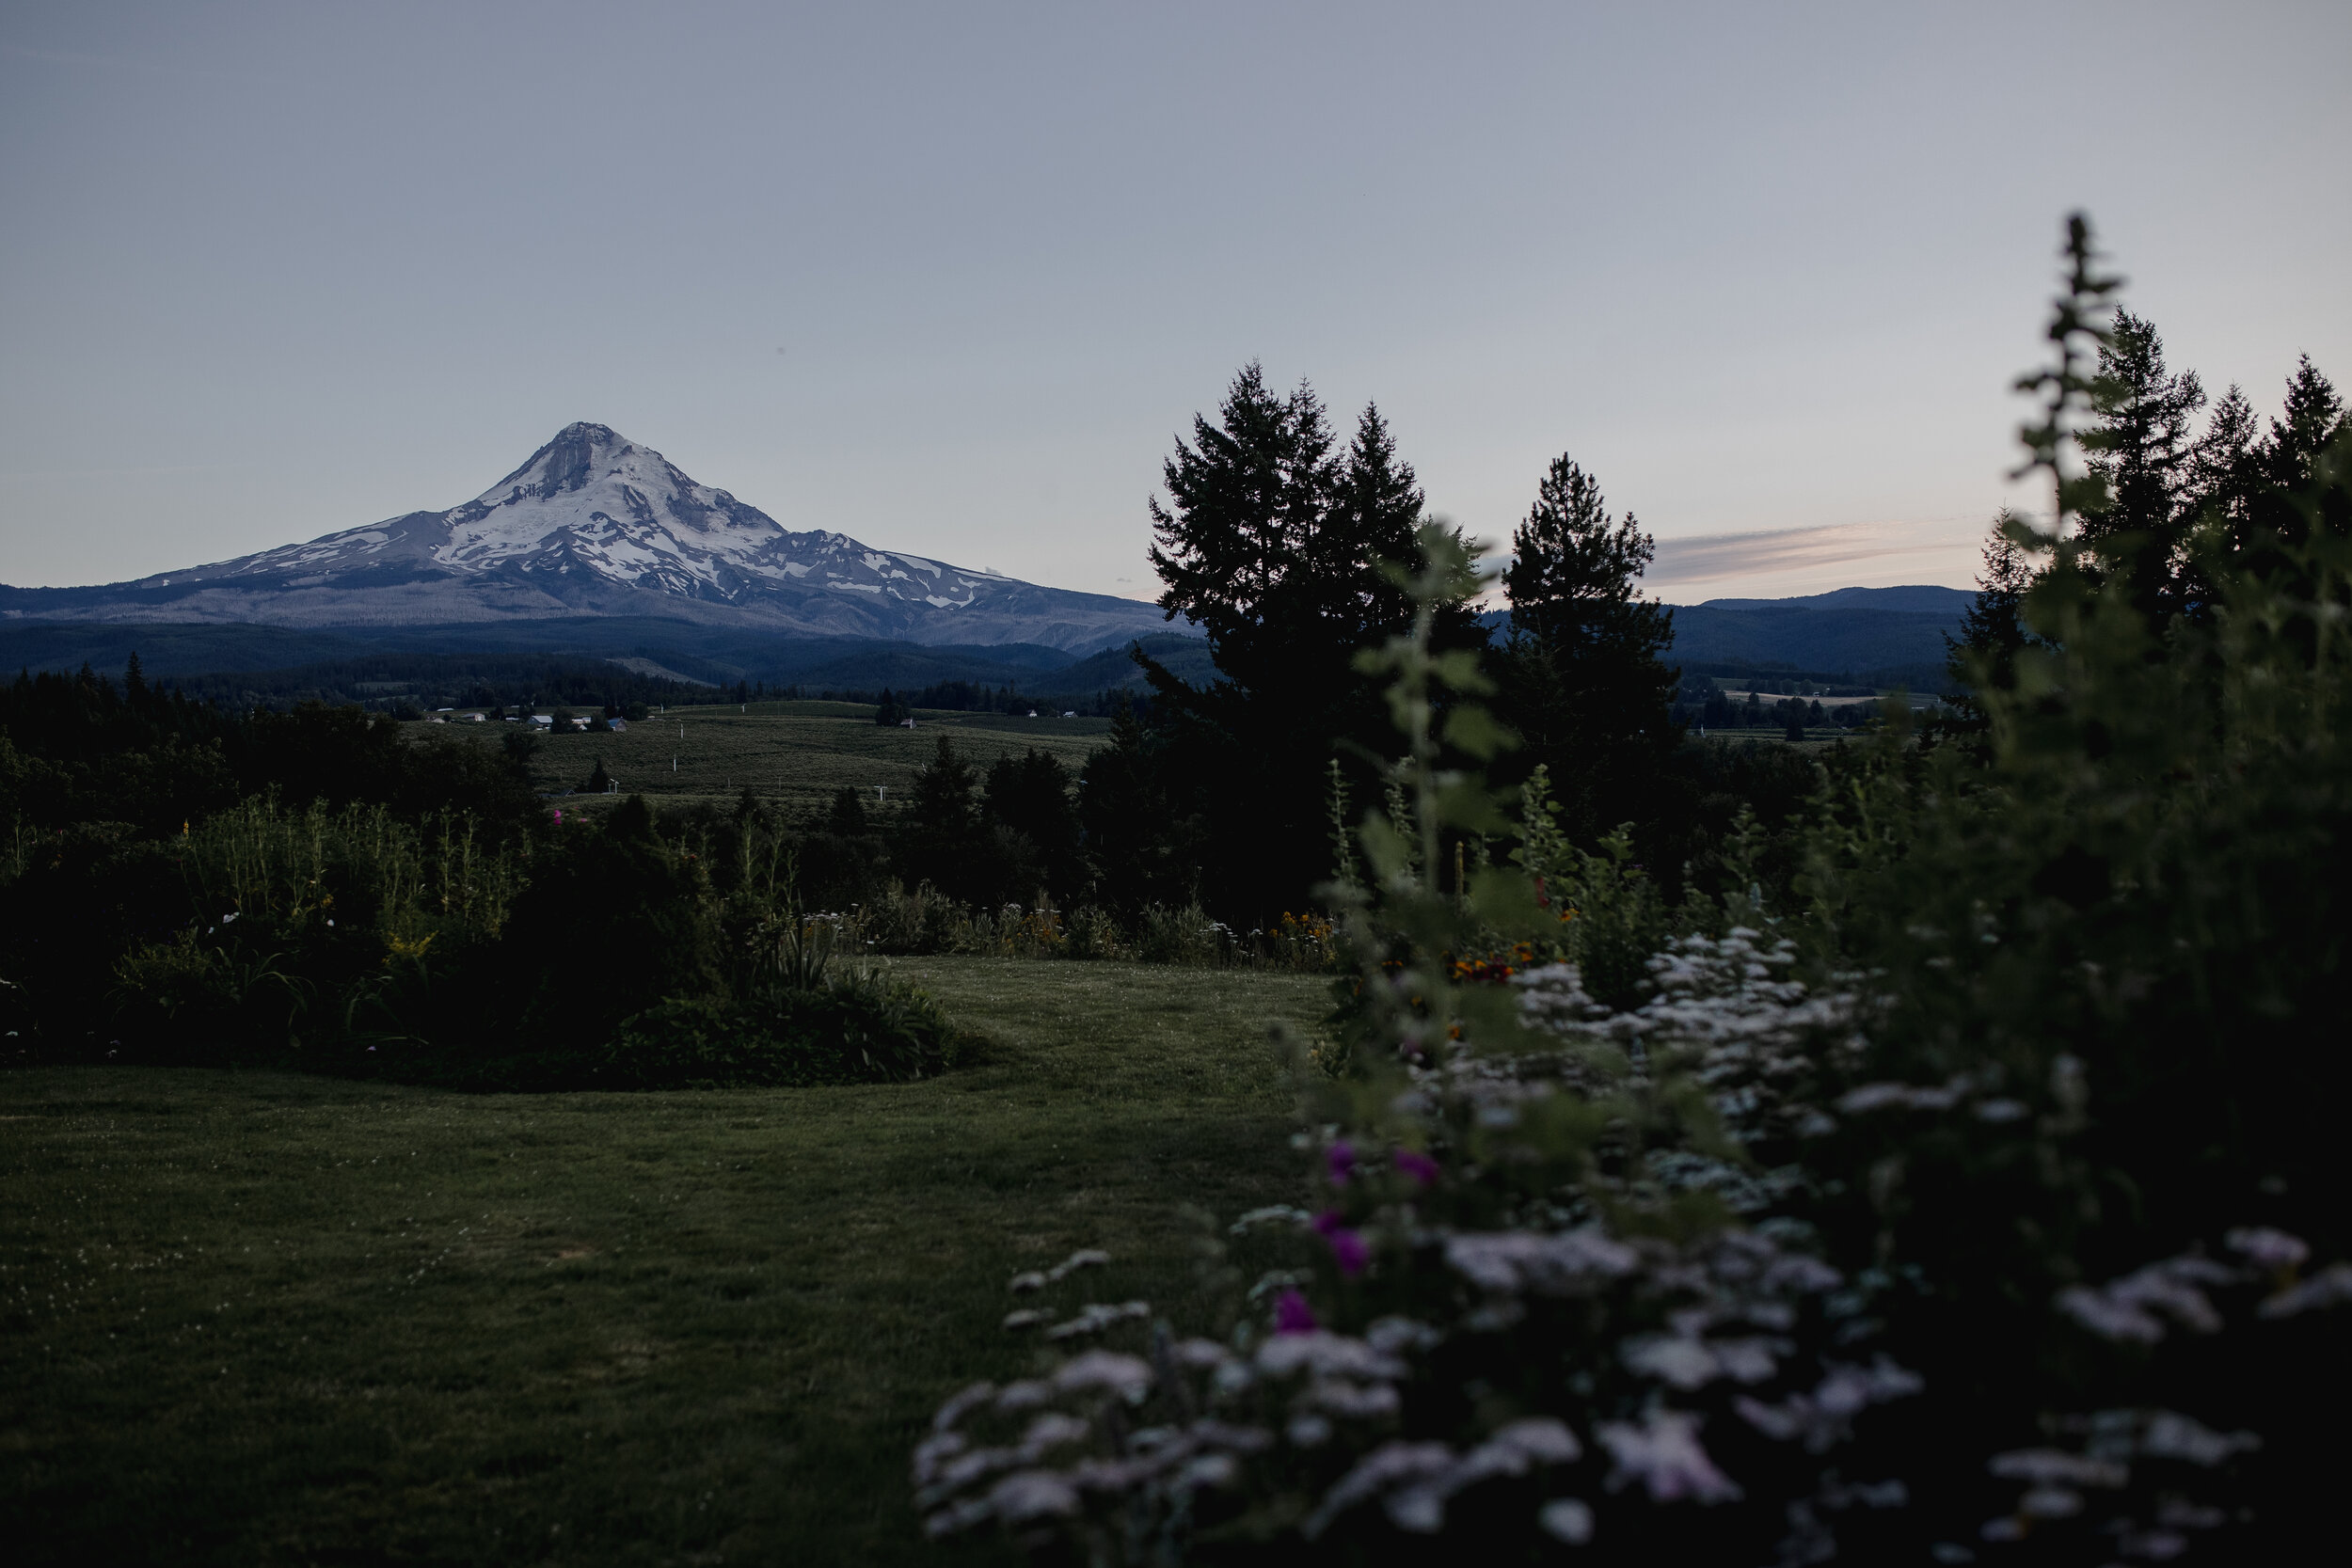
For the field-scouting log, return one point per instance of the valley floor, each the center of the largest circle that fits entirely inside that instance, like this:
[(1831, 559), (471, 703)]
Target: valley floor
[(797, 755), (251, 1318)]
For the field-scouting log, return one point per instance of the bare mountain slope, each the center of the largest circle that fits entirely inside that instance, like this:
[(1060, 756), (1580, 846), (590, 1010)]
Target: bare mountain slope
[(596, 525)]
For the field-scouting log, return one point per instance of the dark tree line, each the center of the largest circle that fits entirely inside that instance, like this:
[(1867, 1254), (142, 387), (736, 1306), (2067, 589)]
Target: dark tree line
[(2178, 488), (79, 749), (407, 685), (1005, 833), (1278, 541)]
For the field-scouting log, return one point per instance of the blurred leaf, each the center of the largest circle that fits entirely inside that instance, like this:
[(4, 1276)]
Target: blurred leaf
[(1476, 733)]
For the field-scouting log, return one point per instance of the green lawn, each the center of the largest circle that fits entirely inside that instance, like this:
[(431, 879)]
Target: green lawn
[(260, 1318)]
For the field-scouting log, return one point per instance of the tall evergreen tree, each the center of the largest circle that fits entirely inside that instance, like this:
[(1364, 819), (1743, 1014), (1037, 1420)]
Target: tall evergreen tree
[(2266, 489), (2305, 464), (1033, 826), (1247, 502), (941, 830), (1373, 514), (1994, 629), (1140, 848), (2313, 416), (846, 817), (2143, 444), (1580, 676), (1272, 543), (2226, 475)]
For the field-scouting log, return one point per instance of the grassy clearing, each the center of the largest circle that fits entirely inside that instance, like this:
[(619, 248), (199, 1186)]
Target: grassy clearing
[(256, 1318), (795, 752)]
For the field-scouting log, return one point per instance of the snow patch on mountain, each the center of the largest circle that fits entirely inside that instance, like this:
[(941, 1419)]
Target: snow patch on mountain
[(594, 523)]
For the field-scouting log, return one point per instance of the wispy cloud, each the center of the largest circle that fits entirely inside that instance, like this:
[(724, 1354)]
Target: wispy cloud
[(1938, 550)]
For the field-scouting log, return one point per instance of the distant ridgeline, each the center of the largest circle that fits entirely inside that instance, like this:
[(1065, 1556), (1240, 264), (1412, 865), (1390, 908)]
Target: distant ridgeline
[(1873, 637), (1866, 637), (590, 660)]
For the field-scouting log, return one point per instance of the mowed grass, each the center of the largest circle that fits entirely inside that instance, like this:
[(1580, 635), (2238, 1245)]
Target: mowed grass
[(795, 753), (251, 1318)]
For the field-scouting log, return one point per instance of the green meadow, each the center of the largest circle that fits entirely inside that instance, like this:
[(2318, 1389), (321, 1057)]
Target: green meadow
[(259, 1317), (797, 753)]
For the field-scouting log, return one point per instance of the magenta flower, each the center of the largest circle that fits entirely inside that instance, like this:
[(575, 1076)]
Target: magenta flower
[(559, 817), (1340, 1159), (1347, 1246), (1420, 1166), (1292, 1315)]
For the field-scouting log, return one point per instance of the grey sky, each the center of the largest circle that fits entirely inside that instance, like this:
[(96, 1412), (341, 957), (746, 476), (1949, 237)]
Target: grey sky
[(266, 272)]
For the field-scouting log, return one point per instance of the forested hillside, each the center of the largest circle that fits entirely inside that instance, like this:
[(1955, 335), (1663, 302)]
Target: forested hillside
[(1870, 636)]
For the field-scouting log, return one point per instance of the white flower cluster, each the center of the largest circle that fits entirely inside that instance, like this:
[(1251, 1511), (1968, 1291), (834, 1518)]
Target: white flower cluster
[(2155, 1522), (1725, 1011), (964, 1485), (1649, 1349), (1085, 1258), (1289, 1400), (1730, 1326), (2136, 1307), (1414, 1480), (2056, 1482), (1222, 1406), (1126, 1442)]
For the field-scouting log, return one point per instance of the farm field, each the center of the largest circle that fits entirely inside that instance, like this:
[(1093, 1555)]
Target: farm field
[(251, 1318), (795, 753)]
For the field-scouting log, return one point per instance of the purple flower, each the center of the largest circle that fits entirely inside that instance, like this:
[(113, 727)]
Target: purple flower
[(1292, 1315), (1340, 1159), (1420, 1166), (1347, 1246)]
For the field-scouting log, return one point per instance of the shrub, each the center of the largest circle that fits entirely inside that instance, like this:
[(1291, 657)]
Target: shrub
[(349, 940), (925, 921), (280, 928), (1008, 932), (896, 920), (855, 1028), (1094, 932), (1180, 936), (613, 921)]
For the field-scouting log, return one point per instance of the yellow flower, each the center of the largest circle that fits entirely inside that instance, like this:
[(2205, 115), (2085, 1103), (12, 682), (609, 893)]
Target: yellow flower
[(400, 947)]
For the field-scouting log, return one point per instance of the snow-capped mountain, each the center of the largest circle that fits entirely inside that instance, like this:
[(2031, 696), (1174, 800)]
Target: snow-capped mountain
[(595, 524)]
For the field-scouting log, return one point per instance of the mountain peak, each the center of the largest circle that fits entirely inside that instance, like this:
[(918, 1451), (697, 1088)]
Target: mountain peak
[(594, 522), (579, 452)]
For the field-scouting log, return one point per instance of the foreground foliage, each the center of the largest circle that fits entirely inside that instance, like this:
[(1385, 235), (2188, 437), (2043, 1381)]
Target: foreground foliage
[(1978, 1204)]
